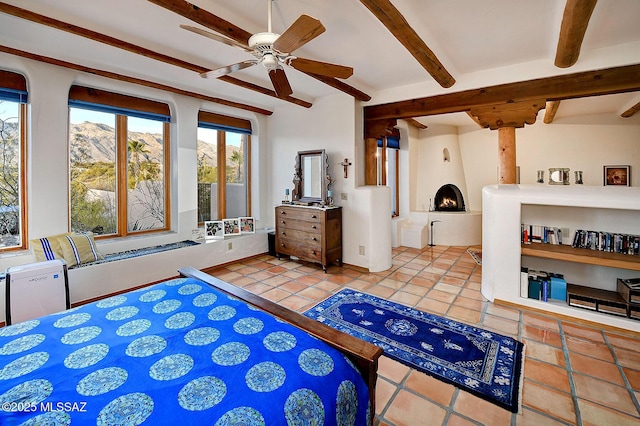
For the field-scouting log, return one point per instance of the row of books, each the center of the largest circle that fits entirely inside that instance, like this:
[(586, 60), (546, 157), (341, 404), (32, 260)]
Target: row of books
[(607, 241), (540, 234), (542, 285)]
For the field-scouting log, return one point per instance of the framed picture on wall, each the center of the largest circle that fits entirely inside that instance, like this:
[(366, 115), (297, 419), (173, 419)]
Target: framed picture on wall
[(617, 175), (213, 229), (247, 225), (231, 226)]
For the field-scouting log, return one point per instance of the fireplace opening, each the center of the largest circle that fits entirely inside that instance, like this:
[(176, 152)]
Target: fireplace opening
[(449, 199)]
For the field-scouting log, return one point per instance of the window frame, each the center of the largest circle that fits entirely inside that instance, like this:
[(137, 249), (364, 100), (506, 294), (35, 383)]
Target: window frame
[(18, 83), (117, 104), (223, 125)]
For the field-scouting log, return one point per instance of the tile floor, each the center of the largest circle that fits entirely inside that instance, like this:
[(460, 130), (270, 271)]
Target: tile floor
[(574, 374)]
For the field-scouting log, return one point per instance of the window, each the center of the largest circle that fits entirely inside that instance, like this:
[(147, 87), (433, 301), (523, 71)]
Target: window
[(387, 161), (223, 141), (13, 113), (119, 156)]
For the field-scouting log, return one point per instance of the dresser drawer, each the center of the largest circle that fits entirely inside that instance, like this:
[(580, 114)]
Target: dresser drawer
[(299, 225), (308, 215), (299, 249), (311, 238)]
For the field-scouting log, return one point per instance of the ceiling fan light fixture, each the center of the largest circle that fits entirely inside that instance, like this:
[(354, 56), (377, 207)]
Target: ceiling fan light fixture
[(269, 61)]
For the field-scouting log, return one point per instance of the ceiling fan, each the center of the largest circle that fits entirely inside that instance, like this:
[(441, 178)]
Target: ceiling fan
[(274, 50)]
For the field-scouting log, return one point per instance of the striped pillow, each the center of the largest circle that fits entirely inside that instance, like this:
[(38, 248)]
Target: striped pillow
[(48, 248), (79, 248)]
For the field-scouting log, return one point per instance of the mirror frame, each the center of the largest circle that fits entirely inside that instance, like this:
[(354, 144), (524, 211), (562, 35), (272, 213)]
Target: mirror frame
[(298, 179)]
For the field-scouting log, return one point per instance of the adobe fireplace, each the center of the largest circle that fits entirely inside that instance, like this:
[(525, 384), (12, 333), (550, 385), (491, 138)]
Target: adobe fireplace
[(449, 199)]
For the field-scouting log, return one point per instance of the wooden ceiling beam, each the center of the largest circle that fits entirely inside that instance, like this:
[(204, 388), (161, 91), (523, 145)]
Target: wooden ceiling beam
[(514, 115), (574, 25), (631, 111), (550, 111), (342, 86), (570, 86), (205, 18), (402, 31), (415, 123), (133, 80)]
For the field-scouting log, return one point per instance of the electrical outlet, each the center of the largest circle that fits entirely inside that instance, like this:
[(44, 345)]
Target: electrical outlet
[(343, 196), (361, 249), (229, 246)]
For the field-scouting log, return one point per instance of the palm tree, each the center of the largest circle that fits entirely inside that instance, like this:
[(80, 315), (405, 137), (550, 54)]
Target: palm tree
[(136, 148), (236, 157)]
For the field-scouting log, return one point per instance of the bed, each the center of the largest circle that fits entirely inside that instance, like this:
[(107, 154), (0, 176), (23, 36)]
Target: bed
[(191, 350)]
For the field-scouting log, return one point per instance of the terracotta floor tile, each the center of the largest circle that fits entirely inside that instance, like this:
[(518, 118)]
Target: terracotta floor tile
[(629, 359), (541, 335), (430, 387), (258, 288), (314, 294), (415, 289), (433, 306), (633, 376), (531, 418), (589, 347), (472, 294), (452, 281), (597, 415), (602, 370), (441, 296), (624, 342), (296, 303), (500, 325), (405, 298), (392, 370), (546, 353), (603, 393), (467, 316), (549, 401), (540, 321), (275, 294), (292, 286), (588, 333), (465, 302), (384, 393), (503, 312), (380, 291), (359, 284), (547, 374), (407, 409), (480, 410)]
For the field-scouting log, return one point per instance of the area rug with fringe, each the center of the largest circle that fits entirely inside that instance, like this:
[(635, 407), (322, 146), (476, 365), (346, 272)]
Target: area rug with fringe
[(479, 361), (476, 254)]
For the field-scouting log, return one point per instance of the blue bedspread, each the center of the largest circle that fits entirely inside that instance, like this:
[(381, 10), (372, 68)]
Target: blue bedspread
[(178, 352)]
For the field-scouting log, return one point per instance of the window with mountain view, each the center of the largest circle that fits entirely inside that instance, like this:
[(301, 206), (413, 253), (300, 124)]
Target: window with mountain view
[(118, 174), (13, 111), (223, 167)]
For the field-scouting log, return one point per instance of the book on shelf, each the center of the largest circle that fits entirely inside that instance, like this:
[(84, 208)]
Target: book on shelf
[(610, 242), (542, 285), (530, 233)]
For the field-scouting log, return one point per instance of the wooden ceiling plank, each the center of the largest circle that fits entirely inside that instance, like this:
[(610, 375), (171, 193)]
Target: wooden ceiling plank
[(550, 111), (391, 18), (631, 111), (574, 25), (570, 86), (415, 123), (114, 42), (344, 87), (133, 80), (263, 90)]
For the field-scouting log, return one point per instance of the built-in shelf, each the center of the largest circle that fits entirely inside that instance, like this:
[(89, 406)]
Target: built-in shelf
[(580, 255)]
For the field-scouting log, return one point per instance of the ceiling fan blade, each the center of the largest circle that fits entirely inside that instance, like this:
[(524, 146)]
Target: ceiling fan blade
[(301, 32), (219, 72), (280, 82), (216, 37), (321, 68)]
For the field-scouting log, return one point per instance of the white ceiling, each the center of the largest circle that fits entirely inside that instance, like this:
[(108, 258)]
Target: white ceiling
[(481, 43)]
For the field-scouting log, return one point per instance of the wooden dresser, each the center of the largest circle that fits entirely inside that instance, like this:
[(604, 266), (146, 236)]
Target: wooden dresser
[(310, 233)]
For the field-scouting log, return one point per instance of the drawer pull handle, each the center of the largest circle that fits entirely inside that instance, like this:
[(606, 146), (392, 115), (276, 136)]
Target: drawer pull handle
[(283, 212), (314, 239), (283, 222), (313, 216), (314, 227)]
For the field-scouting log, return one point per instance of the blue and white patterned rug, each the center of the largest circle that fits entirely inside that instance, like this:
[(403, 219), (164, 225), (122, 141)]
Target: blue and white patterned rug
[(482, 362)]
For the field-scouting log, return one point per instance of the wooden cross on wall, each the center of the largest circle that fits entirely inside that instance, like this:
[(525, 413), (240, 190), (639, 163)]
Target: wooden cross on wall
[(345, 164)]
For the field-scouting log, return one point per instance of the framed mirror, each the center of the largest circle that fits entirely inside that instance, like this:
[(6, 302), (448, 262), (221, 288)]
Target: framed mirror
[(558, 176), (310, 178)]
